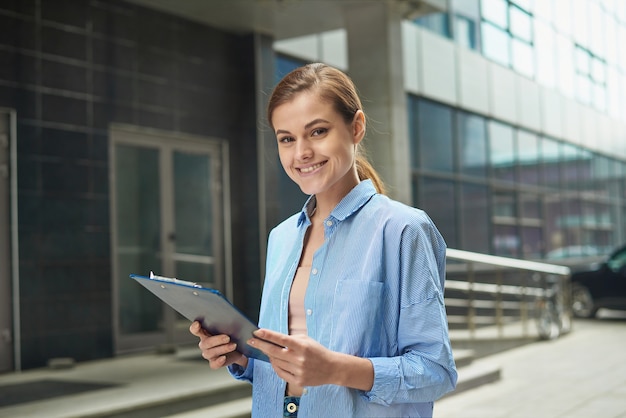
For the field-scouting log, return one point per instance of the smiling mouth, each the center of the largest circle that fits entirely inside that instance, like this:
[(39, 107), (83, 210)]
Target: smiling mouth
[(312, 168)]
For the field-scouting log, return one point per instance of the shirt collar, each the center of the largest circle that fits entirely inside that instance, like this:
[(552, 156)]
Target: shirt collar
[(352, 202)]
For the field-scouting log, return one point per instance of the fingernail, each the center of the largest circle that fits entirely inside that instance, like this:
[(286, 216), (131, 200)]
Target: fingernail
[(251, 342)]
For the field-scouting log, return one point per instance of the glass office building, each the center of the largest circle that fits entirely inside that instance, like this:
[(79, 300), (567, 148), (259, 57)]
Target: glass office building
[(521, 152), (133, 138), (509, 189)]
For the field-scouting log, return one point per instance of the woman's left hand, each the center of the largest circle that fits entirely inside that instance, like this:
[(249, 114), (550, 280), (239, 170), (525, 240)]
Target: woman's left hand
[(298, 359)]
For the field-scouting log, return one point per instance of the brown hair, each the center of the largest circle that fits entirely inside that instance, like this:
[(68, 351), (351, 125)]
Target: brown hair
[(335, 86)]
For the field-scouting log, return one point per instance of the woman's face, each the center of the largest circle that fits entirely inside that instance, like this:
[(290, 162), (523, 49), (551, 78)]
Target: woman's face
[(316, 147)]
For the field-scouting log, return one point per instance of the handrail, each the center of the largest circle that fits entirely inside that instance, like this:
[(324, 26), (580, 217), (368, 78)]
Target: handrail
[(489, 296), (508, 262)]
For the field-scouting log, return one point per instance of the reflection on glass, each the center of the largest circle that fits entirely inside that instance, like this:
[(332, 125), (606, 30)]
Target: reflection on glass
[(438, 199), (569, 162), (506, 241), (138, 235), (474, 218), (528, 157), (504, 204), (472, 144), (193, 213), (501, 151), (530, 205), (435, 136), (532, 242), (550, 162)]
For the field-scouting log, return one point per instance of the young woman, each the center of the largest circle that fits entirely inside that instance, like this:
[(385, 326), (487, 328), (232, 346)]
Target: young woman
[(352, 313)]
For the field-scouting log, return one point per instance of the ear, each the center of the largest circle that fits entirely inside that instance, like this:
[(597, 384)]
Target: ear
[(358, 126)]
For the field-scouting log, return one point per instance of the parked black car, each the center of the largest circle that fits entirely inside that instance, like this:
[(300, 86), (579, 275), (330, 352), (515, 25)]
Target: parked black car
[(601, 287)]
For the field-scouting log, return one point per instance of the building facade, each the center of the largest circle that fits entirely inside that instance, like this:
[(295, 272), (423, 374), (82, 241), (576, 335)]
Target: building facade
[(132, 138)]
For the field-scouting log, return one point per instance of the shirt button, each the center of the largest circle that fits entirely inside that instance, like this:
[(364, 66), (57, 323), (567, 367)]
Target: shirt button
[(304, 391), (309, 312), (314, 271), (329, 223)]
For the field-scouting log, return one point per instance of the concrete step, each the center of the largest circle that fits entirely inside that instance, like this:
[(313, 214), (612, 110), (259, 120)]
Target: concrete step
[(463, 357), (480, 372), (240, 408)]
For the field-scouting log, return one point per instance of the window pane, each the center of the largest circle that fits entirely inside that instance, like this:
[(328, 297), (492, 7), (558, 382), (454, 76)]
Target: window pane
[(501, 151), (435, 22), (474, 218), (506, 241), (550, 162), (495, 11), (532, 242), (555, 239), (504, 205), (530, 205), (472, 145), (495, 44), (465, 31), (524, 4), (435, 136), (583, 61), (437, 198), (569, 163), (521, 26), (528, 157)]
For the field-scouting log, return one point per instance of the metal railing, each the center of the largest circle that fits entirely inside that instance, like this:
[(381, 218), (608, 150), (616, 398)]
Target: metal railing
[(501, 297)]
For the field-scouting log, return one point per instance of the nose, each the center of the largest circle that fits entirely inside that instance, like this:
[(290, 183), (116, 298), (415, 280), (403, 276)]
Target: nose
[(303, 150)]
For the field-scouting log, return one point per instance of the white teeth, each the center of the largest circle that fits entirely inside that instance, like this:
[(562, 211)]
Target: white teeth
[(312, 168)]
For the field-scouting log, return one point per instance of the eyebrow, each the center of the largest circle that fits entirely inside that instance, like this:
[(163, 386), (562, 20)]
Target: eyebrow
[(307, 126)]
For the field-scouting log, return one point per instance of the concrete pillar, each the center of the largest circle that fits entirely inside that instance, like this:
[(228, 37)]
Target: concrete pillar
[(375, 64)]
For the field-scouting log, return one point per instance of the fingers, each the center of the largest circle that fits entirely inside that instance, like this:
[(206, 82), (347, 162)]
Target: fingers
[(217, 349), (196, 329)]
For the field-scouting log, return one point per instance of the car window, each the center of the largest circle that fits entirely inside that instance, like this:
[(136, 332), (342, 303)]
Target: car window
[(618, 261)]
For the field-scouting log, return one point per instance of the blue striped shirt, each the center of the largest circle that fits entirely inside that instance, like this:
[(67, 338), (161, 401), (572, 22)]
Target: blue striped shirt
[(375, 291)]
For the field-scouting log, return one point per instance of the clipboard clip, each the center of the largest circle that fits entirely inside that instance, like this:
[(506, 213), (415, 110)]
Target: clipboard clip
[(173, 280)]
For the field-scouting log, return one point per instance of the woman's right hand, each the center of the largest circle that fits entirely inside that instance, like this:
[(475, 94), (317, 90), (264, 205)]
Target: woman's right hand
[(217, 349)]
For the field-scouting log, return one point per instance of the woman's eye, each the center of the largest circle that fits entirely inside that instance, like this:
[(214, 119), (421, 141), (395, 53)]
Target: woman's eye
[(319, 131), (285, 139)]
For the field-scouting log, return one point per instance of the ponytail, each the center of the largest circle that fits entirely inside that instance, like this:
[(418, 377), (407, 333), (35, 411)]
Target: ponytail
[(366, 171)]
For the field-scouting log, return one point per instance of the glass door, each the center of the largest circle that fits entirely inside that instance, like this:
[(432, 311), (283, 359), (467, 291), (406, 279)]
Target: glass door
[(168, 217)]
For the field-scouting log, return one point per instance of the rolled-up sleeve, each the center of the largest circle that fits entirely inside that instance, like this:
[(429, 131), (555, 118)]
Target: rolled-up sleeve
[(423, 369)]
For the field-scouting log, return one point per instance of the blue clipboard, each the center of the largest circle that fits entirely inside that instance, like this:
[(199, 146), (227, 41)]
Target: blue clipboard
[(208, 306)]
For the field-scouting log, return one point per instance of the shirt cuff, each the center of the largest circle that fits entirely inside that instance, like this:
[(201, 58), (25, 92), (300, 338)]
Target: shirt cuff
[(386, 382), (240, 373)]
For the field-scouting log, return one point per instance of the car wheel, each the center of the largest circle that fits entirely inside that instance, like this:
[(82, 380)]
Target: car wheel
[(582, 302)]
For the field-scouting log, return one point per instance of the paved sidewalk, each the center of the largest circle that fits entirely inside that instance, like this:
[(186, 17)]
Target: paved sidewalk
[(129, 382), (582, 374)]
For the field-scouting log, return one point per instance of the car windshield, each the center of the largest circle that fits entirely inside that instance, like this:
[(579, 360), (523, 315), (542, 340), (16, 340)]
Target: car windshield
[(617, 262)]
